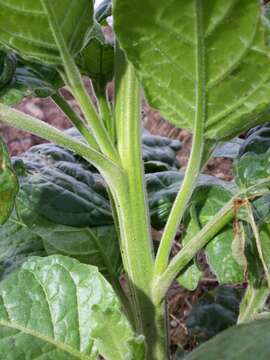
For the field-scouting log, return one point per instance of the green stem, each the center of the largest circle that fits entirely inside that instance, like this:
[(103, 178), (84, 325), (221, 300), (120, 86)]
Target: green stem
[(128, 113), (78, 89), (48, 132), (194, 164), (252, 303), (133, 213), (76, 120), (189, 250), (105, 110)]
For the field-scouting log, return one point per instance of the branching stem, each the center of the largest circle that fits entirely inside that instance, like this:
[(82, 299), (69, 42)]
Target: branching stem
[(194, 164), (75, 119), (189, 250), (78, 89)]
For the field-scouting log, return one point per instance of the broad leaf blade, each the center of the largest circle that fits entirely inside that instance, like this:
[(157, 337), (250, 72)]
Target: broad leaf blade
[(24, 27), (17, 243), (214, 312), (162, 188), (52, 308), (161, 40), (228, 149), (61, 188), (97, 61), (8, 184), (208, 199), (190, 277), (252, 164), (20, 78), (159, 149), (222, 258), (96, 246), (244, 342)]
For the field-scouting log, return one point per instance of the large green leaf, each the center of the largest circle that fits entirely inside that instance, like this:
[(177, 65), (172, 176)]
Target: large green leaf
[(208, 198), (58, 186), (96, 246), (24, 27), (159, 152), (17, 243), (20, 78), (257, 140), (8, 184), (215, 311), (244, 342), (63, 188), (228, 149), (97, 61), (192, 52), (53, 308), (162, 188), (252, 164)]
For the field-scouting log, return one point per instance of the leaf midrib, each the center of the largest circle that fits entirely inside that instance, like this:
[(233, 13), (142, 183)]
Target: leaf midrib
[(57, 344)]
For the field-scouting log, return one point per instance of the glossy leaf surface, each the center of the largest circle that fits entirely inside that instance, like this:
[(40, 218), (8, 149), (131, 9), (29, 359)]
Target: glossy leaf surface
[(97, 61), (17, 243), (20, 78), (252, 166), (207, 200), (162, 188), (159, 152), (214, 312), (189, 52), (61, 188), (53, 307), (228, 149), (244, 342), (96, 246), (24, 27), (8, 184), (190, 277)]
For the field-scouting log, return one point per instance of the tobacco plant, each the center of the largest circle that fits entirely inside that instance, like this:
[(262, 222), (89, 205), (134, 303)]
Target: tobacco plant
[(77, 212)]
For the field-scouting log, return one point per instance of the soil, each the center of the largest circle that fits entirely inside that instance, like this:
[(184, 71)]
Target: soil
[(180, 301)]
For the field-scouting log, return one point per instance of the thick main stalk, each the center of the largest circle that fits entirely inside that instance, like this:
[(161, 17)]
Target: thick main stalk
[(133, 213)]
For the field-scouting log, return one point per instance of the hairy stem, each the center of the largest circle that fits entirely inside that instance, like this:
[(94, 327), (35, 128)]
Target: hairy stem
[(105, 110), (48, 132), (133, 213), (76, 120), (194, 164), (187, 253), (78, 89)]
